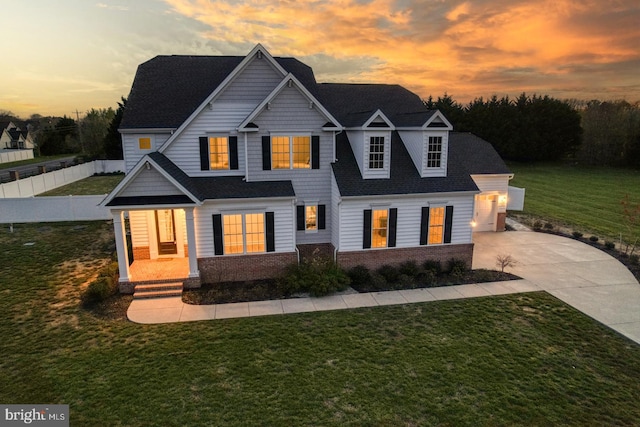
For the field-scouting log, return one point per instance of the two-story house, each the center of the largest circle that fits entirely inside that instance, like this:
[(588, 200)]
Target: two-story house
[(243, 165)]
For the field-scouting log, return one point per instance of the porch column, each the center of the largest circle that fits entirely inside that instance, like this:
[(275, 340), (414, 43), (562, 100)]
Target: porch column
[(191, 242), (121, 245)]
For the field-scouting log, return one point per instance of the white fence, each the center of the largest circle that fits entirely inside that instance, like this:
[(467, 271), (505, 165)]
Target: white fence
[(38, 184), (515, 201), (53, 209), (8, 156)]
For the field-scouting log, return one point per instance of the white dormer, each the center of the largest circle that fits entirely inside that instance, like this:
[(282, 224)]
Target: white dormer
[(428, 145), (371, 144)]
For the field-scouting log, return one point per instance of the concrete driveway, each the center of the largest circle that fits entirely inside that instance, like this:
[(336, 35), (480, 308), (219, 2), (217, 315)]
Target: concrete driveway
[(582, 276)]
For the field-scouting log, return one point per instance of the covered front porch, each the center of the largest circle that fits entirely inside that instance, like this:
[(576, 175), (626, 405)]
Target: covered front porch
[(163, 246)]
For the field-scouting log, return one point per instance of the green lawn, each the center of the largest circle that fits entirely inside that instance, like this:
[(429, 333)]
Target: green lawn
[(515, 360), (99, 184), (586, 198)]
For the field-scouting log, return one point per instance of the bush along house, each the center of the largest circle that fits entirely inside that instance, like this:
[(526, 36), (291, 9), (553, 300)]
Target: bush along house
[(239, 166)]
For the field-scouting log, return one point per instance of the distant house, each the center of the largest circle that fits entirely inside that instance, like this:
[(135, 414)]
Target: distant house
[(13, 138), (243, 165)]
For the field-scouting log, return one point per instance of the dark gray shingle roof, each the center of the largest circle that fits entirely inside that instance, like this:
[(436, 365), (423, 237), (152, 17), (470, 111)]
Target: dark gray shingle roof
[(167, 89), (468, 155)]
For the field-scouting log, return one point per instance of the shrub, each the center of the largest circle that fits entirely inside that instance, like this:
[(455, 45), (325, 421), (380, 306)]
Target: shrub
[(577, 234), (405, 281), (360, 276), (318, 277), (594, 238), (537, 225), (390, 273), (634, 259), (427, 278), (609, 245), (434, 266), (105, 285), (409, 268), (548, 226), (456, 268), (378, 282)]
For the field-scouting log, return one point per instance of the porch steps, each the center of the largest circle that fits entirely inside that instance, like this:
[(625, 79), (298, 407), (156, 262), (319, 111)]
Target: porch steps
[(157, 290)]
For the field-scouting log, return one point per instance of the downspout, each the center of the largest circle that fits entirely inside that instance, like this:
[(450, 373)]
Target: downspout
[(335, 250), (246, 158), (295, 246)]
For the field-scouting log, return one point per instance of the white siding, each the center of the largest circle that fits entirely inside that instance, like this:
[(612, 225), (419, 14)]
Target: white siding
[(284, 221), (290, 114), (149, 183), (138, 224), (409, 215), (227, 111), (131, 151)]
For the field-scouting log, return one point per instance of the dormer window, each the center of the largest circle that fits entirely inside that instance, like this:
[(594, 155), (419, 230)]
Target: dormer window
[(434, 154), (376, 152)]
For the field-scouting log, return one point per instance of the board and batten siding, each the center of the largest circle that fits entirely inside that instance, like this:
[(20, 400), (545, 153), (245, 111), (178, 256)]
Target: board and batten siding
[(284, 222), (138, 224), (227, 111), (409, 217), (149, 182), (131, 149)]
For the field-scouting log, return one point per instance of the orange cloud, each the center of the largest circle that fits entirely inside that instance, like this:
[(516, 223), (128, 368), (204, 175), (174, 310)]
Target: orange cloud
[(468, 48)]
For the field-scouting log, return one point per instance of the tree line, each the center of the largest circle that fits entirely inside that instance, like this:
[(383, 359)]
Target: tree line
[(542, 128)]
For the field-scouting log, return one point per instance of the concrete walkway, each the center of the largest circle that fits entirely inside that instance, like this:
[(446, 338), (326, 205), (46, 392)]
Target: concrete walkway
[(583, 277)]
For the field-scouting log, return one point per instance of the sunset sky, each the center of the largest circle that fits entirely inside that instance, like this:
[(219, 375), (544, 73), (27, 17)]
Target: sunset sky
[(59, 56)]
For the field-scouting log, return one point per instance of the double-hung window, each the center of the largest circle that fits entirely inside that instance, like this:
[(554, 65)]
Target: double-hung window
[(379, 224), (218, 152), (243, 233), (376, 152), (436, 226), (291, 152), (434, 153)]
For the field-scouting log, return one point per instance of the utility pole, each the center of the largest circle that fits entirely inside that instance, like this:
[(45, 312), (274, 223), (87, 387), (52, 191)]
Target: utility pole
[(79, 130)]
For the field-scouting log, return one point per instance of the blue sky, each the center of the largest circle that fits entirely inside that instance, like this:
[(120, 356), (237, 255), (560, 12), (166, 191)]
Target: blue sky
[(81, 54)]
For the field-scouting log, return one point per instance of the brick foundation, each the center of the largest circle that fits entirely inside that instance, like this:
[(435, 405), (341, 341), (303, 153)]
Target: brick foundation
[(320, 249), (501, 224), (126, 287), (374, 259), (244, 267), (141, 252)]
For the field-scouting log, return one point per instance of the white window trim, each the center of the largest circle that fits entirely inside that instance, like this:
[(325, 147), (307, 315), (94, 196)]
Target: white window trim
[(290, 136), (244, 231), (442, 145), (312, 230)]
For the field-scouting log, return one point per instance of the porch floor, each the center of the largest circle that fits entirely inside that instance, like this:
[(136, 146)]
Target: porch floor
[(161, 269)]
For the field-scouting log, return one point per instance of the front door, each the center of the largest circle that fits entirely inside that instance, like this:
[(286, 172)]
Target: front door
[(166, 232), (485, 212)]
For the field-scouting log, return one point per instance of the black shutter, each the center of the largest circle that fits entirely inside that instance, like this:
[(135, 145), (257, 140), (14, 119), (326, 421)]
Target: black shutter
[(270, 231), (204, 153), (424, 226), (322, 213), (366, 234), (391, 232), (315, 152), (233, 152), (300, 218), (218, 246), (266, 153), (448, 221)]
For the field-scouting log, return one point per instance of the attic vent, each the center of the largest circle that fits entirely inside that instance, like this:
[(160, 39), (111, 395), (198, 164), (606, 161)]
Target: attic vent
[(259, 54), (437, 125)]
